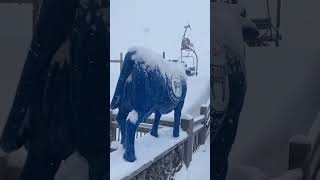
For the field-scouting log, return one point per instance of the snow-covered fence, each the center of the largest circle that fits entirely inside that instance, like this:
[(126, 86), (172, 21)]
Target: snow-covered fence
[(120, 61), (196, 131), (304, 155)]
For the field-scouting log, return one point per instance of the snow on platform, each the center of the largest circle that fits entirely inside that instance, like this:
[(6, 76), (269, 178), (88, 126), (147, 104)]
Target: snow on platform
[(199, 167), (147, 148)]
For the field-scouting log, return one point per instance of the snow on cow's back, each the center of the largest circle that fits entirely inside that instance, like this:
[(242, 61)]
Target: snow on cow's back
[(153, 60)]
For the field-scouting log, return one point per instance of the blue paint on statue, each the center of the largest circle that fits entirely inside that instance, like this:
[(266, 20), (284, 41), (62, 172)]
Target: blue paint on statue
[(141, 92)]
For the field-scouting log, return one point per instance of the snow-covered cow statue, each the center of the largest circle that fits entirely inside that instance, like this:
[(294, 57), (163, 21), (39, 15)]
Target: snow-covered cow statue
[(230, 29), (147, 84)]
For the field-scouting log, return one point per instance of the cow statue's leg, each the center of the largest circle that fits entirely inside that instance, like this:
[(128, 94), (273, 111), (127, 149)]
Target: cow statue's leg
[(133, 120), (154, 130), (121, 119), (177, 119)]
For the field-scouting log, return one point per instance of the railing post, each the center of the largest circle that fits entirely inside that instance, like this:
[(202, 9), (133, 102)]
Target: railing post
[(112, 129), (187, 125), (299, 153), (203, 110), (121, 60), (202, 134)]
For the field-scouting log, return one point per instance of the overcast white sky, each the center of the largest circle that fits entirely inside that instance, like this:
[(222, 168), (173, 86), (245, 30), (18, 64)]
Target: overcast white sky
[(159, 25)]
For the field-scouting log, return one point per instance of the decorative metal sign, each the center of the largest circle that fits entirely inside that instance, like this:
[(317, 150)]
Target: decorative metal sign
[(175, 88)]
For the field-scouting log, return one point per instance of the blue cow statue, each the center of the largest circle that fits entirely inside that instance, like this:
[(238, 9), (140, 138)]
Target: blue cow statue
[(147, 84)]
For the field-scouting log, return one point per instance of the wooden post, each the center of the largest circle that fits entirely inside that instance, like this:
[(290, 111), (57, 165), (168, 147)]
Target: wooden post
[(187, 125), (299, 153), (113, 131), (163, 55), (121, 60), (202, 134)]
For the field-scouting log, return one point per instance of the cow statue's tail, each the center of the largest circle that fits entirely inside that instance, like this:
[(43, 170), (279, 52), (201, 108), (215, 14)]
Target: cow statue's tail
[(124, 74)]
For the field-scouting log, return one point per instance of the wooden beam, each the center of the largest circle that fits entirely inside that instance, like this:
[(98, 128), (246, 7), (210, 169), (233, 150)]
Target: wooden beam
[(16, 1)]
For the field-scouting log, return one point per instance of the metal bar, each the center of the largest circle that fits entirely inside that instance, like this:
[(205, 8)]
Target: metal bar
[(115, 61)]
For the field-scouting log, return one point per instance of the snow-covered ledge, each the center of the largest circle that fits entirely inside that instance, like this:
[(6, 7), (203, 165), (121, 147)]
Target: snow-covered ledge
[(156, 157), (159, 158)]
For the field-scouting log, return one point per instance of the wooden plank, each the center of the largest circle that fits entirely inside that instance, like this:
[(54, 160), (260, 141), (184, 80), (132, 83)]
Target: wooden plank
[(115, 61)]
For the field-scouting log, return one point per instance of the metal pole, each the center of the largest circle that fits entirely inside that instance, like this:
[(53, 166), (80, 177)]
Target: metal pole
[(269, 18), (121, 60)]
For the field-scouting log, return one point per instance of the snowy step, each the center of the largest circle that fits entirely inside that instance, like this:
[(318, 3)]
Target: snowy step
[(148, 150)]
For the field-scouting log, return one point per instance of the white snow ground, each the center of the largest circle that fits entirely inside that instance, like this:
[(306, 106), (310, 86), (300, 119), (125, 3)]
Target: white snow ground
[(199, 167)]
